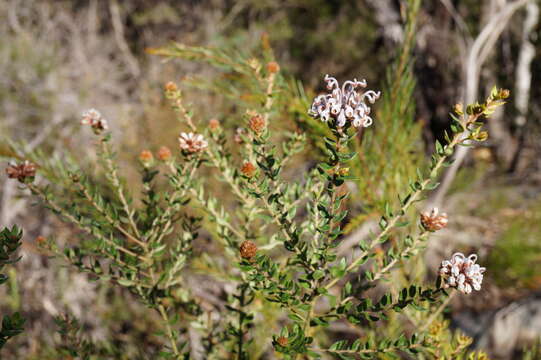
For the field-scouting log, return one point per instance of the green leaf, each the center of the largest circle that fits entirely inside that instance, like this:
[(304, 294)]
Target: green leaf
[(318, 274)]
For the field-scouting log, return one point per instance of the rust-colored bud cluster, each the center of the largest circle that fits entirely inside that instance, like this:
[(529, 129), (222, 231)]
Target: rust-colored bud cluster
[(24, 172), (214, 124), (282, 341), (171, 87), (248, 249), (248, 169), (41, 240), (164, 153), (273, 67), (434, 221), (146, 157), (257, 123)]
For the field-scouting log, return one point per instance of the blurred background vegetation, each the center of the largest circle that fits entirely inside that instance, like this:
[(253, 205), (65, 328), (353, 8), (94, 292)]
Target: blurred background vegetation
[(58, 58)]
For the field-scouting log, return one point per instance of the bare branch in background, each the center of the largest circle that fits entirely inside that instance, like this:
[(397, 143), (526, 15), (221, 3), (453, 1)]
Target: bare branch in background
[(116, 19), (524, 77), (478, 53)]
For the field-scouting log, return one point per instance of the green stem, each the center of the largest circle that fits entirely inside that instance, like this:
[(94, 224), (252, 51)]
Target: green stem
[(364, 351), (414, 196), (437, 313), (115, 181), (169, 330)]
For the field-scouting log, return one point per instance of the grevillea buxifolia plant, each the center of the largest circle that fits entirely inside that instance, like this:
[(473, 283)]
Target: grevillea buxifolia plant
[(273, 253)]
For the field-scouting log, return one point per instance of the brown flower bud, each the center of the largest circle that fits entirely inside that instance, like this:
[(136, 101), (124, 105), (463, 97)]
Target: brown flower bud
[(247, 249), (248, 169), (273, 67), (433, 221), (164, 153), (257, 123), (214, 124), (282, 341), (41, 240), (171, 86), (23, 172)]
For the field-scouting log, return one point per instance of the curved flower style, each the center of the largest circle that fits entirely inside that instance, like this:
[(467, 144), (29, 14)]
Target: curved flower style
[(192, 143), (462, 273), (343, 104)]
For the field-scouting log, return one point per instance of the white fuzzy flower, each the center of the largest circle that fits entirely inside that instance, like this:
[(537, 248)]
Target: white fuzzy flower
[(192, 143), (462, 273), (344, 104), (94, 118)]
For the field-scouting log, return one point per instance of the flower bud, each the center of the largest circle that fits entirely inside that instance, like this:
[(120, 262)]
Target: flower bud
[(248, 249), (475, 109), (282, 341), (41, 240), (24, 172), (343, 171), (433, 221), (480, 136), (257, 123), (459, 109), (171, 86), (248, 169), (273, 67), (164, 153), (214, 124), (504, 93), (146, 157)]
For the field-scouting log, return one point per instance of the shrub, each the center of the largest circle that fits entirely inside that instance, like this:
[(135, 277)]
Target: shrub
[(283, 283)]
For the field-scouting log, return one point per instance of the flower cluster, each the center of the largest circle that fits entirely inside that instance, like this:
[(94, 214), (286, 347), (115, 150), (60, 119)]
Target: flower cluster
[(343, 104), (192, 143), (248, 169), (214, 124), (94, 118), (434, 221), (146, 157), (164, 153), (257, 123), (248, 249), (462, 273), (24, 172)]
